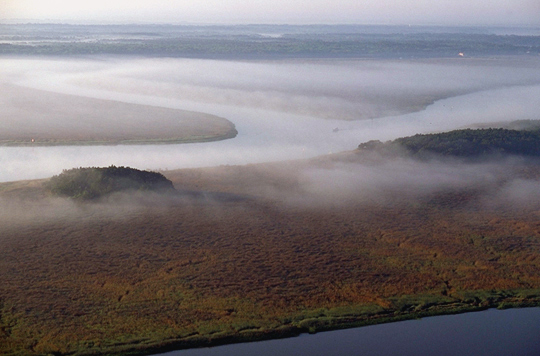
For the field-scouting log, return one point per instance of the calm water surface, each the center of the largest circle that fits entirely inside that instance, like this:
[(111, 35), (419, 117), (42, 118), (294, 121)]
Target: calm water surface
[(488, 333)]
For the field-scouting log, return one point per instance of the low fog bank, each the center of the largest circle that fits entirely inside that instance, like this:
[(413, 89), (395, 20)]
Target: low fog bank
[(282, 109), (370, 179), (16, 213), (410, 181), (331, 89), (32, 205), (348, 180)]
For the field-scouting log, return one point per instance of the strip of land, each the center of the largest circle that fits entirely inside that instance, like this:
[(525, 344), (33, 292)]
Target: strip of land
[(32, 117)]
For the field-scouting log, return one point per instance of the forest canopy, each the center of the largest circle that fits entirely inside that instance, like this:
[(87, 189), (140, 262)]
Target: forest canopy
[(467, 143), (92, 183)]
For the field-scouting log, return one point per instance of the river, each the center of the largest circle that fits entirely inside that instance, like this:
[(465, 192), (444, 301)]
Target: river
[(281, 109), (491, 332)]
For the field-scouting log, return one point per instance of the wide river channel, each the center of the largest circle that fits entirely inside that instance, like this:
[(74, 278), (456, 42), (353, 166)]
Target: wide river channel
[(492, 332), (272, 124)]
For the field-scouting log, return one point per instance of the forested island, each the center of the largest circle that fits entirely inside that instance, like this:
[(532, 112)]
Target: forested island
[(270, 250), (94, 183)]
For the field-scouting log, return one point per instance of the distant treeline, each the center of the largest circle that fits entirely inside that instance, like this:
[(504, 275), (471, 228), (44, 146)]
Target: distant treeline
[(92, 183), (246, 42), (468, 143)]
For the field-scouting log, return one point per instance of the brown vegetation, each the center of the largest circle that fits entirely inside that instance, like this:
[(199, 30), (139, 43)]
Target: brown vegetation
[(228, 259)]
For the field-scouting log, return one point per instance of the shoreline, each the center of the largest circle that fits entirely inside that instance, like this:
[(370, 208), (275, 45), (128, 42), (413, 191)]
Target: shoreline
[(41, 118), (313, 326), (162, 141)]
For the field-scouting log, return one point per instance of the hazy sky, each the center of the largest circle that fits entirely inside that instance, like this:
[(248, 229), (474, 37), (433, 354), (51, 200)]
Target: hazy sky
[(419, 12)]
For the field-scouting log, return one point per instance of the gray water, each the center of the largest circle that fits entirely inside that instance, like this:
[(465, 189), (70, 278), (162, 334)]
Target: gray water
[(492, 332)]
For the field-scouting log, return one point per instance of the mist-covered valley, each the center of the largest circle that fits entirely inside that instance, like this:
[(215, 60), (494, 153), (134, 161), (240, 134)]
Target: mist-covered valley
[(282, 109), (284, 227)]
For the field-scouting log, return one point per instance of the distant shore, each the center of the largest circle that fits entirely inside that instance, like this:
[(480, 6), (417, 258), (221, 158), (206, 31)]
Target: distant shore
[(32, 117), (120, 141)]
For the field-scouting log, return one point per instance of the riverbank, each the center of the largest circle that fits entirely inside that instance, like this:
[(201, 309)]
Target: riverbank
[(491, 332), (317, 325), (119, 141)]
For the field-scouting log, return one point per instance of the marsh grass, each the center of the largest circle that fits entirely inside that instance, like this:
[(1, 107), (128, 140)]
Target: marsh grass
[(104, 279)]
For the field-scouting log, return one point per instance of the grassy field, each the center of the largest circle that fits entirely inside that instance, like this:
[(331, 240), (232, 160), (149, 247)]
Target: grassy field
[(244, 253)]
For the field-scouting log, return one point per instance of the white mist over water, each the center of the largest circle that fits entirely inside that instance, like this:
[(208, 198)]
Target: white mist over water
[(281, 109)]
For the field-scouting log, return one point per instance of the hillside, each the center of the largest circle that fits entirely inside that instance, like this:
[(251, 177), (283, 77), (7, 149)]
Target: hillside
[(94, 182), (467, 143)]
